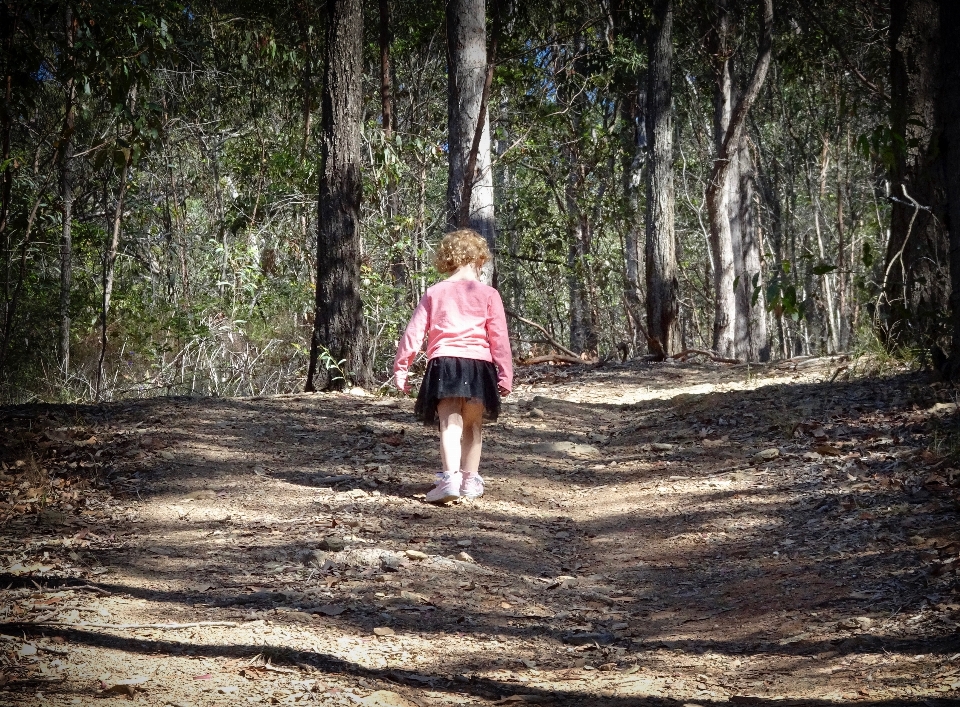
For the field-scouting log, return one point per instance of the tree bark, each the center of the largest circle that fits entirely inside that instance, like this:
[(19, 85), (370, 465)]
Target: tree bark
[(949, 109), (719, 186), (755, 315), (917, 282), (663, 326), (338, 336), (466, 74), (66, 197)]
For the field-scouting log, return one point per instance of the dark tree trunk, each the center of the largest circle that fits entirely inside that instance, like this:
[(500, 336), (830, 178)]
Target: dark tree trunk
[(724, 179), (583, 330), (915, 283), (633, 139), (338, 336), (634, 142), (663, 330), (467, 72), (66, 197), (949, 108)]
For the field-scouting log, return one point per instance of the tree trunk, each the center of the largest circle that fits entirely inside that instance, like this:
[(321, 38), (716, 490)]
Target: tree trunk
[(583, 330), (338, 336), (633, 162), (949, 108), (398, 267), (720, 184), (110, 255), (916, 281), (663, 330), (466, 74), (757, 336), (721, 230), (634, 148), (66, 196)]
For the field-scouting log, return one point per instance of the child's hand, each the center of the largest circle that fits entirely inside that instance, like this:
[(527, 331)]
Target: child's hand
[(503, 391)]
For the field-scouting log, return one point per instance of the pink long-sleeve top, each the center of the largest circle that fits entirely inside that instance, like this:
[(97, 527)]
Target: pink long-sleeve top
[(462, 318)]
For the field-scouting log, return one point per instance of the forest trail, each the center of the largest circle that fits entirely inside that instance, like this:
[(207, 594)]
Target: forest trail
[(652, 535)]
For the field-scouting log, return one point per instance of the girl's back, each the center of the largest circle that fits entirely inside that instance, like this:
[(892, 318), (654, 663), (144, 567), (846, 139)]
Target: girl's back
[(459, 314)]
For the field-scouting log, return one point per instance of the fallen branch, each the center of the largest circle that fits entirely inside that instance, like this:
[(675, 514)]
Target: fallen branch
[(553, 358), (539, 327), (712, 355), (126, 627)]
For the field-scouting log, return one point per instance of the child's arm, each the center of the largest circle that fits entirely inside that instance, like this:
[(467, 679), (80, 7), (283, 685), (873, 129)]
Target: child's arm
[(410, 345), (499, 338)]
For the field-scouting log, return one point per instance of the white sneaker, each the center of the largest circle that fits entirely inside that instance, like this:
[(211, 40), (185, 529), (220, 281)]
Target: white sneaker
[(446, 488), (472, 486)]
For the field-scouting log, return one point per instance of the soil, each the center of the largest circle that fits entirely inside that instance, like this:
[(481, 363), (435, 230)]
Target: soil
[(652, 534)]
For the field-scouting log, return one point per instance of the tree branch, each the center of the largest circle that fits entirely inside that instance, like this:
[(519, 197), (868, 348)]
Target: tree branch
[(539, 327), (843, 55)]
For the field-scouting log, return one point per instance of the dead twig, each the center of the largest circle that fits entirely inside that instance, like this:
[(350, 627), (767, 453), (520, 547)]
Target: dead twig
[(126, 627)]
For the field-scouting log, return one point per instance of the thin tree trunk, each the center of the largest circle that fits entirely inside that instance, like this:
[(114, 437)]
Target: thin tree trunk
[(110, 256), (663, 330), (583, 335), (633, 261), (467, 116), (338, 328), (11, 309), (718, 190), (842, 314), (66, 196), (398, 267)]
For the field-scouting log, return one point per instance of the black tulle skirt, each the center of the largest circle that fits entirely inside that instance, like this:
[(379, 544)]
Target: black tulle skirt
[(452, 377)]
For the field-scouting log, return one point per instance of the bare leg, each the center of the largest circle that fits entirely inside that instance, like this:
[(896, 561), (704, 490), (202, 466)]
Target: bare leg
[(460, 434), (472, 436), (451, 431)]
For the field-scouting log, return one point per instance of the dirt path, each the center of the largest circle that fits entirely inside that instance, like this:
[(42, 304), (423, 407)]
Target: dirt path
[(651, 535)]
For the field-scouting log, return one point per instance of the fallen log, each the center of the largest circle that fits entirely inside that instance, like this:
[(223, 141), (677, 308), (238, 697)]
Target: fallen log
[(554, 358), (712, 355)]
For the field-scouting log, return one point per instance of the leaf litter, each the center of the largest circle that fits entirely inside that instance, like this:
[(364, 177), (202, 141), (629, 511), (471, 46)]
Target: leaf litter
[(689, 532)]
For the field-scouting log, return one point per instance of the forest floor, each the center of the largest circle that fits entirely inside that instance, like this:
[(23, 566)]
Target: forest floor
[(652, 534)]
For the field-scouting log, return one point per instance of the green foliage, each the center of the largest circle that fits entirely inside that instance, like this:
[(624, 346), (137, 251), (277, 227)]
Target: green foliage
[(216, 115)]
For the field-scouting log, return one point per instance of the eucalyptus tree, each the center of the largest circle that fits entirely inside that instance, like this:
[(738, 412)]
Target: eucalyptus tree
[(338, 330), (470, 175), (663, 330), (730, 123)]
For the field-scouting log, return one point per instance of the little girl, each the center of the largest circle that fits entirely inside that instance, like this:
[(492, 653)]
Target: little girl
[(469, 364)]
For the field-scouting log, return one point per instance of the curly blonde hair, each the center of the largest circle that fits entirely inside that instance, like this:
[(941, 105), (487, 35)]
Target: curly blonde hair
[(460, 247)]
